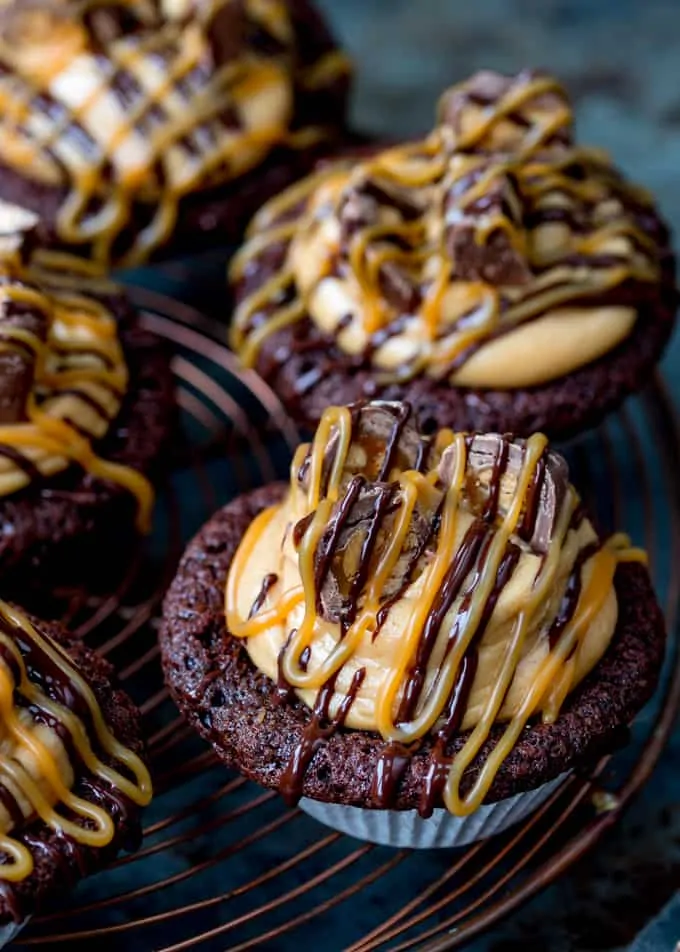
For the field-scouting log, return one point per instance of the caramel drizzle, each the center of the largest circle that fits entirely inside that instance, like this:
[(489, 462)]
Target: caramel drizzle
[(29, 660), (477, 570), (176, 116), (79, 379), (442, 165)]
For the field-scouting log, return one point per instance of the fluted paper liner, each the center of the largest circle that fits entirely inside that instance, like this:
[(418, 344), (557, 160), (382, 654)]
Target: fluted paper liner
[(405, 829)]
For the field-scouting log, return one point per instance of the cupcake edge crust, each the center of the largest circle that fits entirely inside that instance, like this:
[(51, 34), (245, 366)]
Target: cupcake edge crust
[(234, 707)]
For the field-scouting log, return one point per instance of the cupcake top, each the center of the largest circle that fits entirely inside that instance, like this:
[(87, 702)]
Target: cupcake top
[(63, 374), (53, 738), (130, 106), (456, 256), (419, 586)]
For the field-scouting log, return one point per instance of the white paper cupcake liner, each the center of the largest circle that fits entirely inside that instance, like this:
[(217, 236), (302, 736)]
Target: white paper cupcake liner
[(404, 828), (10, 932)]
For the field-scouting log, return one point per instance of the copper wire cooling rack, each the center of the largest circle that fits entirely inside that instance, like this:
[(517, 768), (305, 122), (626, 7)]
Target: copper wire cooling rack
[(224, 864)]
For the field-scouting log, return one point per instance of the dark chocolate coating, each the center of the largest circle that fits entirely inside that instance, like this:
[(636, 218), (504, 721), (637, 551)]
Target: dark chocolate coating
[(553, 475), (57, 866), (70, 529), (234, 707), (373, 426), (494, 260)]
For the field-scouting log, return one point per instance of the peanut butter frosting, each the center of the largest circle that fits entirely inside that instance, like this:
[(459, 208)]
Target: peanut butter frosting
[(421, 586), (130, 106), (494, 239), (63, 374), (52, 732)]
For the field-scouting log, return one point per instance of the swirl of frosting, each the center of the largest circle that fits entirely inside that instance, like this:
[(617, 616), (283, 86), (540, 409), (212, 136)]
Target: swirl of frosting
[(130, 106), (52, 732), (419, 586), (458, 255), (63, 373)]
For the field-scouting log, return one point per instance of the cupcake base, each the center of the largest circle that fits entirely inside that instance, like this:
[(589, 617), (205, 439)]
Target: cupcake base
[(237, 710), (307, 370), (59, 864), (73, 531), (406, 829)]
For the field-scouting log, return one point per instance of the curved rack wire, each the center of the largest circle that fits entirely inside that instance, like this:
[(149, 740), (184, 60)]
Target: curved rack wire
[(224, 864)]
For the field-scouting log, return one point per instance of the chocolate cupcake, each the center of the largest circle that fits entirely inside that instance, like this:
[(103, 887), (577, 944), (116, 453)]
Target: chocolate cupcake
[(418, 637), (495, 274), (136, 129), (72, 777), (86, 407)]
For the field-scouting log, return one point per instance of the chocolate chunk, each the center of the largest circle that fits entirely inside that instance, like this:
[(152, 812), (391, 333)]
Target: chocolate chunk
[(388, 437), (399, 288), (362, 203), (227, 32), (17, 359), (495, 257), (545, 498), (15, 385), (383, 439), (341, 562), (361, 524), (499, 455), (468, 104), (495, 261), (402, 200), (357, 210), (483, 88)]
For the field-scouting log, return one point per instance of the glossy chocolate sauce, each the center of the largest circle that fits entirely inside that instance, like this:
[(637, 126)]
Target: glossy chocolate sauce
[(365, 504), (320, 729), (485, 193), (268, 582)]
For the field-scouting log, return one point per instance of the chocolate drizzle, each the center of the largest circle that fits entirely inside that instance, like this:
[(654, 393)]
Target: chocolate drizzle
[(268, 582), (571, 594), (45, 675), (438, 769), (214, 136), (320, 728), (530, 223), (63, 373), (390, 768), (390, 451), (461, 566), (22, 461), (363, 556), (283, 688), (328, 544)]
